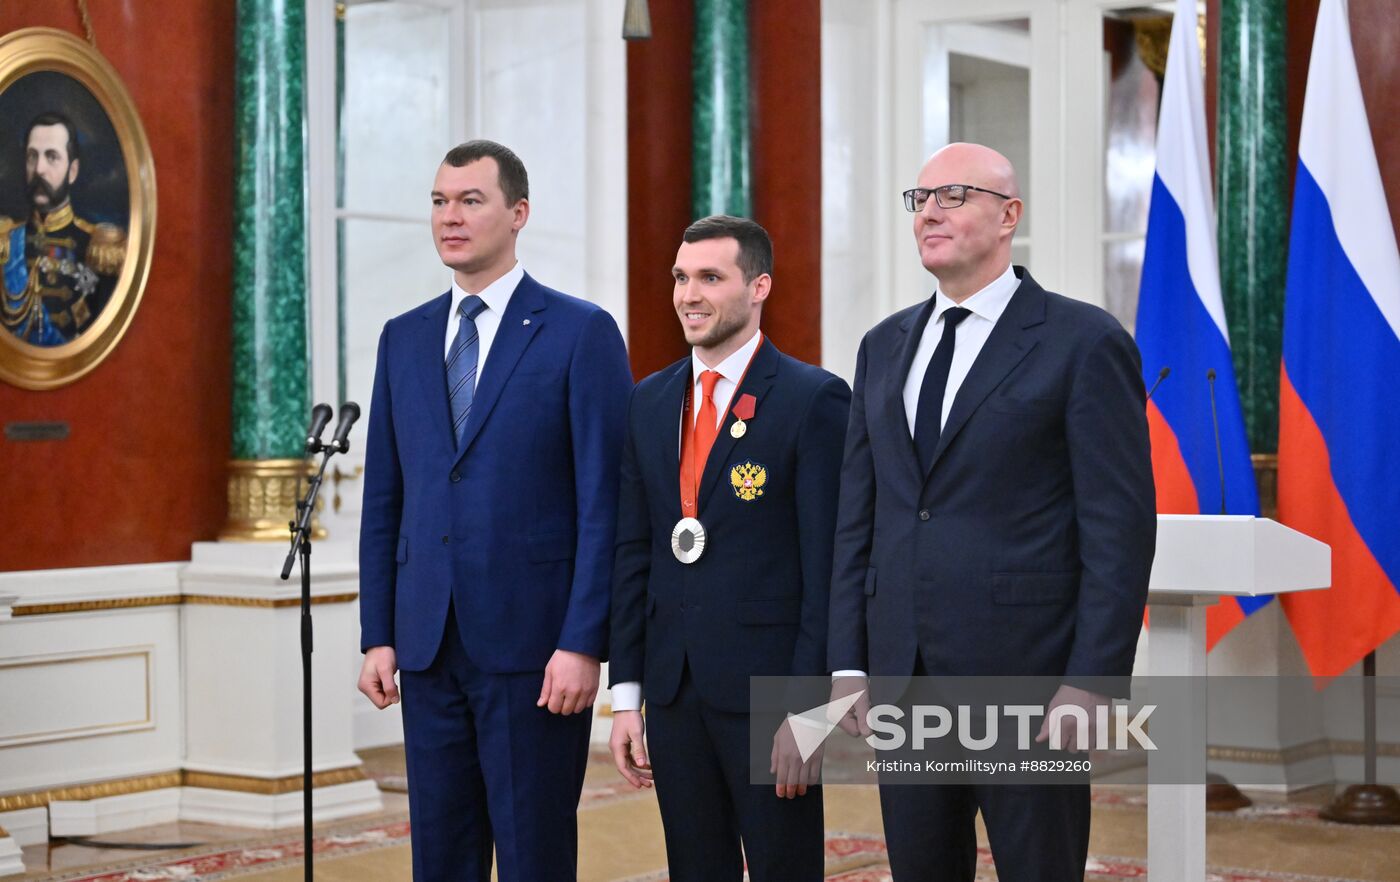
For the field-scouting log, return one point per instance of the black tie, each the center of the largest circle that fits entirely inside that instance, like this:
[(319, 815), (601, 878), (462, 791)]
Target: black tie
[(928, 419)]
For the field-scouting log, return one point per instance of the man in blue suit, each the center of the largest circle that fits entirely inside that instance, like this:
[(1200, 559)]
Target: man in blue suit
[(996, 513), (486, 544), (727, 506)]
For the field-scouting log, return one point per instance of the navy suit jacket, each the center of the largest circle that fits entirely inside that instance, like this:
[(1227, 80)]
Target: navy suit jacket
[(755, 604), (1025, 549), (515, 525)]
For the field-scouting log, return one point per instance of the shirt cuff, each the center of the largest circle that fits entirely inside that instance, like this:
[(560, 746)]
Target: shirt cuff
[(627, 696), (835, 674)]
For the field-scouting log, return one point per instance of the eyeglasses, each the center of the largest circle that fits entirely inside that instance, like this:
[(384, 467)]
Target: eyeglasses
[(947, 196)]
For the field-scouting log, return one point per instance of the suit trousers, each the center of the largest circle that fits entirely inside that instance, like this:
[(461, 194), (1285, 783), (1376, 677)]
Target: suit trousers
[(700, 756), (1037, 832), (487, 768)]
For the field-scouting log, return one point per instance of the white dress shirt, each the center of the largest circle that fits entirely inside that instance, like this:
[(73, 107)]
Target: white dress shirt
[(496, 296), (628, 696), (730, 371), (987, 306)]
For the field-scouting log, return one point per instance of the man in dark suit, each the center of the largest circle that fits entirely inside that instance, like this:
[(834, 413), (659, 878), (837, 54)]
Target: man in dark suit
[(486, 543), (996, 514), (730, 472)]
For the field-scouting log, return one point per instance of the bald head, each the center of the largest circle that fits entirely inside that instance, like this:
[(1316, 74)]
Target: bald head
[(967, 245), (976, 164)]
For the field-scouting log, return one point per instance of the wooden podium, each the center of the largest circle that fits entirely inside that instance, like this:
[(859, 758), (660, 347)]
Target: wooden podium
[(1201, 558)]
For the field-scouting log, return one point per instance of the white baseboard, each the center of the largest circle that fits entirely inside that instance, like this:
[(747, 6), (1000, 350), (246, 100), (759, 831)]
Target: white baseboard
[(27, 826), (11, 860), (283, 810), (94, 817)]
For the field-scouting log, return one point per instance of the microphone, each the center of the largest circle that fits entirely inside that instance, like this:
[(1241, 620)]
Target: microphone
[(1215, 421), (349, 412), (1161, 375), (320, 415)]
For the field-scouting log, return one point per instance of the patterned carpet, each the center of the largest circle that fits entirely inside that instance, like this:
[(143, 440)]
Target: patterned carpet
[(621, 836)]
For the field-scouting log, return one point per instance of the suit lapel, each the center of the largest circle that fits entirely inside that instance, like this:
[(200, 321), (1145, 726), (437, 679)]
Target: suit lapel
[(897, 421), (756, 383), (429, 365), (667, 413), (1008, 344), (518, 327)]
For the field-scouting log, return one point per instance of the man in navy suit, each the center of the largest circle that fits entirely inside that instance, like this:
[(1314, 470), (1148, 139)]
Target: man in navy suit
[(727, 506), (996, 514), (486, 543)]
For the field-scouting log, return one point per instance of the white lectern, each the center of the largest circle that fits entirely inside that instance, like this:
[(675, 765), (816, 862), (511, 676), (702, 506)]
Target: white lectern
[(1201, 558)]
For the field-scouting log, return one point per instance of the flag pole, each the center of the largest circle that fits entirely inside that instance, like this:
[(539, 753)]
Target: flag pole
[(1367, 803)]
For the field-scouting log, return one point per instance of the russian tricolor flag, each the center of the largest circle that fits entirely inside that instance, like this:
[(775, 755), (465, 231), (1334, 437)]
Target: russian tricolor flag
[(1181, 319), (1339, 405)]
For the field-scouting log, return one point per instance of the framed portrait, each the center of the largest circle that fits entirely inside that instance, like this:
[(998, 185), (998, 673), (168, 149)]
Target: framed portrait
[(77, 208)]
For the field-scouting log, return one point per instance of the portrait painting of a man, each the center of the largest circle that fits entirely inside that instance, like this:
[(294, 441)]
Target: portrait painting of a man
[(60, 268), (77, 208)]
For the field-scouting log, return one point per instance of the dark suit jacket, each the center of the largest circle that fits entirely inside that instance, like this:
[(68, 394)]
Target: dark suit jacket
[(515, 525), (1026, 548), (755, 604)]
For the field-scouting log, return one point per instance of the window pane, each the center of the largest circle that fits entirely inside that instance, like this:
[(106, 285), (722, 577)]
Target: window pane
[(394, 122), (1122, 273), (1134, 92), (977, 87), (1134, 51), (389, 268)]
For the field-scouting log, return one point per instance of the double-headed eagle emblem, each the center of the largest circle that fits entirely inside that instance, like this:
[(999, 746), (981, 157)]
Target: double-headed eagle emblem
[(748, 479)]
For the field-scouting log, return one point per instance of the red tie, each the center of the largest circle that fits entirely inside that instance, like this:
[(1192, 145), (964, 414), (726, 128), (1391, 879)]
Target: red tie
[(707, 424), (696, 443)]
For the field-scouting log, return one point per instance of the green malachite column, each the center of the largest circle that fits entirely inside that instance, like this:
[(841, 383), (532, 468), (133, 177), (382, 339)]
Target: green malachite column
[(341, 394), (720, 114), (270, 379), (1252, 181)]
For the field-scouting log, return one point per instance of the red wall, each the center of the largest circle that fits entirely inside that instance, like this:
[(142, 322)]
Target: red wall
[(142, 474), (658, 181), (1375, 36), (785, 74)]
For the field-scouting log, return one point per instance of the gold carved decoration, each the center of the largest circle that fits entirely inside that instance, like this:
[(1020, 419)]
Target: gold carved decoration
[(265, 602), (126, 253), (1297, 753), (1154, 38), (44, 609), (49, 609), (122, 787), (262, 499), (180, 778), (272, 786)]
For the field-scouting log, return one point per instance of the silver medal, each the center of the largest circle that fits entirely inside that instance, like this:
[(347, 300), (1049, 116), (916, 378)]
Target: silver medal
[(688, 540)]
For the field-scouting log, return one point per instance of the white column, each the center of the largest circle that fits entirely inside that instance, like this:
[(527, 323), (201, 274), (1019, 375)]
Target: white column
[(11, 862), (1176, 813), (243, 686)]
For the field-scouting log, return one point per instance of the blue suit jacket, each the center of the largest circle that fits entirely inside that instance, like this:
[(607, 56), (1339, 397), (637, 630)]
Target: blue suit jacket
[(755, 604), (515, 525), (1025, 549)]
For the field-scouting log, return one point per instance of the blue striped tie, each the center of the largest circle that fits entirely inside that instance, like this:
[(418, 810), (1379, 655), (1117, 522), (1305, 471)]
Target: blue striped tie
[(462, 364)]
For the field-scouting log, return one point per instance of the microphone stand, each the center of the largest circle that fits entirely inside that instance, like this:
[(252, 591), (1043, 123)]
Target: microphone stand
[(301, 546)]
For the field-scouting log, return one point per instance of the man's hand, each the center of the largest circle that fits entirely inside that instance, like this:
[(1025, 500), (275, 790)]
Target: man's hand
[(377, 676), (629, 749), (570, 683), (854, 723), (794, 775), (1069, 726)]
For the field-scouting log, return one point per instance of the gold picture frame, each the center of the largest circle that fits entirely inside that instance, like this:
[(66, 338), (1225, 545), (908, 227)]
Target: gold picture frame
[(48, 335)]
